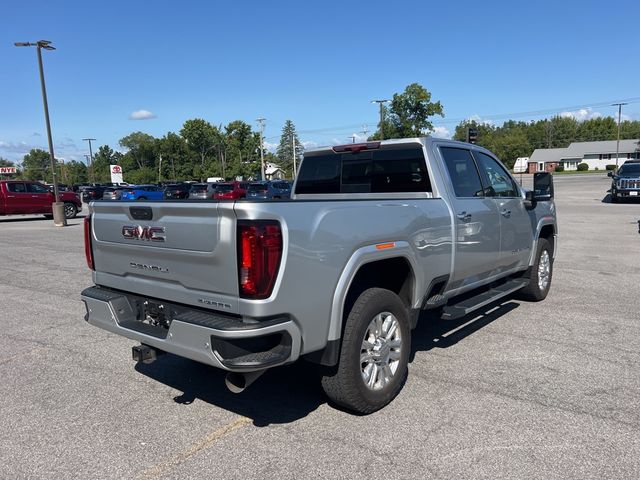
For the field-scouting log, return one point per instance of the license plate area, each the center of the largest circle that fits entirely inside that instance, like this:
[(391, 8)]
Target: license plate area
[(633, 193)]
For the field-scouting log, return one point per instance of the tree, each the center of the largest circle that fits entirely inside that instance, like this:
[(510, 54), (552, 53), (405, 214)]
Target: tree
[(104, 157), (241, 145), (37, 165), (141, 149), (201, 138), (285, 152), (176, 163), (409, 113), (73, 172)]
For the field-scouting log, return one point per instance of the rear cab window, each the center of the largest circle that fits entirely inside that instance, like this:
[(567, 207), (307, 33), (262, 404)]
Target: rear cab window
[(388, 169)]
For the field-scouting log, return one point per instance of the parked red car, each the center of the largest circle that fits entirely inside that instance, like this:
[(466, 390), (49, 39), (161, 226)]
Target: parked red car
[(20, 197), (231, 191)]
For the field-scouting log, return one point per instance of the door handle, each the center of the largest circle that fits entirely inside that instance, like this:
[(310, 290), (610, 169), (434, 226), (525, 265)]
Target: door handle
[(506, 213), (464, 216)]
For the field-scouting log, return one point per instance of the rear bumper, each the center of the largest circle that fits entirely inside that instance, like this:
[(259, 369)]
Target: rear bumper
[(215, 339)]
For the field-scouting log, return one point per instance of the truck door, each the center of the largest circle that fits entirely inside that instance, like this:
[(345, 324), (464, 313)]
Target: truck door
[(18, 200), (477, 221), (41, 198), (516, 235)]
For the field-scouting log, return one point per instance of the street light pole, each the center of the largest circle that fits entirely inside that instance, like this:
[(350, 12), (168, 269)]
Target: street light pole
[(59, 219), (619, 105), (90, 156), (261, 122), (381, 103)]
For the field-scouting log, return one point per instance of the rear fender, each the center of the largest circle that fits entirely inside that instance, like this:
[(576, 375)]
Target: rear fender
[(360, 257)]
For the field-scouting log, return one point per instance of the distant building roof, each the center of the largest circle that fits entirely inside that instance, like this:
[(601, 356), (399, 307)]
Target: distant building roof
[(580, 149), (546, 155), (272, 168)]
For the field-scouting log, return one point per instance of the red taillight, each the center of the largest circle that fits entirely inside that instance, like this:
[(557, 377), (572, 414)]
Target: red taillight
[(259, 254), (88, 253)]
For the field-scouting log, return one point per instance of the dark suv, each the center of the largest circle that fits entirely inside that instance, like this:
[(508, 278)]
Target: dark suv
[(177, 190), (92, 193), (626, 182)]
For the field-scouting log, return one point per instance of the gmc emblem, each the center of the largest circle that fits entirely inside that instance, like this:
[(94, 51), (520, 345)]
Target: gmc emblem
[(154, 234)]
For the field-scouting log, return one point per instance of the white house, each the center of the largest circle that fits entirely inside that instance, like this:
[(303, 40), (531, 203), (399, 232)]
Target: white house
[(595, 154), (273, 172)]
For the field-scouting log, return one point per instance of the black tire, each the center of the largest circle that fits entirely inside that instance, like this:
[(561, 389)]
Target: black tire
[(534, 292), (345, 384), (142, 198), (614, 198), (70, 210)]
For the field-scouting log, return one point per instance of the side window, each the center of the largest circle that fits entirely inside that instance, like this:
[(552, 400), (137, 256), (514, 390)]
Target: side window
[(16, 187), (495, 176), (462, 171), (36, 188)]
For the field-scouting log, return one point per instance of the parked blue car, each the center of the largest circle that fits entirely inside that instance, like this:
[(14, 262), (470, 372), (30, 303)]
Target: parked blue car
[(142, 192), (269, 190)]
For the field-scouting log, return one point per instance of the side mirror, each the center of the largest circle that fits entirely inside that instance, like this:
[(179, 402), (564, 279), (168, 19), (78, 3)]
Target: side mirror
[(542, 186), (610, 173)]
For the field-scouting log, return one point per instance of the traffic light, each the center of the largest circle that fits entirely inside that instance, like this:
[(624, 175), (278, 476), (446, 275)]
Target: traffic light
[(472, 135)]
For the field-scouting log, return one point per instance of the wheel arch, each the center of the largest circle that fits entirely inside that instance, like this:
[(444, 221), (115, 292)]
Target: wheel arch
[(394, 269)]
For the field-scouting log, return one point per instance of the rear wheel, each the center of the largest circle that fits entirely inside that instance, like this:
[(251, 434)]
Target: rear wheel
[(539, 274), (142, 198), (374, 355), (70, 210)]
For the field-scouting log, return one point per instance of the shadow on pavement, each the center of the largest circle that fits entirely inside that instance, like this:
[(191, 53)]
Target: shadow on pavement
[(281, 395), (433, 332), (289, 393), (25, 219)]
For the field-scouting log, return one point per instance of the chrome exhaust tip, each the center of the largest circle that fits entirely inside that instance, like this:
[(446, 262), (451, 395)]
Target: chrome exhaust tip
[(238, 382)]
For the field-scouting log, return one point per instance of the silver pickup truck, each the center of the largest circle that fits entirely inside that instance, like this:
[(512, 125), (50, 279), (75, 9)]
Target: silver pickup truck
[(373, 234)]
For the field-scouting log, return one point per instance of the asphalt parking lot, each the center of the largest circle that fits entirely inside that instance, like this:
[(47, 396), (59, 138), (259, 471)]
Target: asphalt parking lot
[(547, 390)]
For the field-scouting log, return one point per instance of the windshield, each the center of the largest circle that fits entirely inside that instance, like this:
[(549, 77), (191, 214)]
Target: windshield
[(199, 188), (281, 186), (224, 188), (257, 187), (630, 169)]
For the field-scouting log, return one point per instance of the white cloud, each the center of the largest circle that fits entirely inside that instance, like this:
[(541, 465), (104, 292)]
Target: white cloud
[(142, 115), (271, 147), (441, 132), (582, 114), (480, 121), (310, 144)]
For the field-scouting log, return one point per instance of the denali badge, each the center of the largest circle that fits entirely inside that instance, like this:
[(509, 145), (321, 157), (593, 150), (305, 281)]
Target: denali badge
[(153, 268), (154, 234)]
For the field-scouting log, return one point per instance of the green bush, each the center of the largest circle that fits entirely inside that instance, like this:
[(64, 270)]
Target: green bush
[(610, 167), (583, 167), (560, 168)]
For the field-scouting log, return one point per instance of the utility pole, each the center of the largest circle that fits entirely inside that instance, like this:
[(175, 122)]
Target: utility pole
[(365, 130), (353, 138), (160, 169), (381, 103), (293, 150), (261, 122), (91, 176), (619, 105), (59, 219)]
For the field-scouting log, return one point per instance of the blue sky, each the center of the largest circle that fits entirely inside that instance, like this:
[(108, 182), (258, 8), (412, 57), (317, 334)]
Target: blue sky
[(316, 63)]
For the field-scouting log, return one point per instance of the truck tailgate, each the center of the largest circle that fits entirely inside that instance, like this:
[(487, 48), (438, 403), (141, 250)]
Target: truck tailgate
[(190, 259)]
